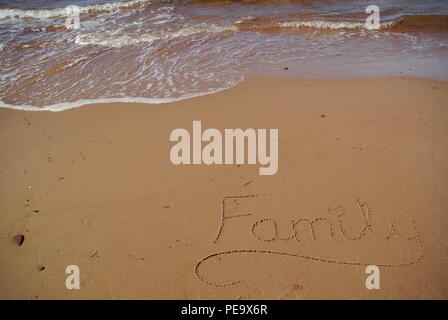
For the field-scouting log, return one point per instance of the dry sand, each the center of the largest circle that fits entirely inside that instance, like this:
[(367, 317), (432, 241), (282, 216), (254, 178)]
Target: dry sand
[(94, 187)]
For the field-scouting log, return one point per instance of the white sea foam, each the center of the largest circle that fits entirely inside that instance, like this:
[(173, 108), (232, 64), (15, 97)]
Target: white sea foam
[(333, 25), (79, 103), (113, 40), (6, 13)]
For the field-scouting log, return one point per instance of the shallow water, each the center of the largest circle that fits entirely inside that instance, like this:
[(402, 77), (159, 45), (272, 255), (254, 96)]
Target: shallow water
[(160, 51)]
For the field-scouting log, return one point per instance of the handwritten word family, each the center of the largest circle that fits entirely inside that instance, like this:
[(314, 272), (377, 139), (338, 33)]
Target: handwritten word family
[(266, 230)]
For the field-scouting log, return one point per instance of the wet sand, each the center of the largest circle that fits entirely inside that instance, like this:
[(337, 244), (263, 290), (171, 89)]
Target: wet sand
[(365, 161)]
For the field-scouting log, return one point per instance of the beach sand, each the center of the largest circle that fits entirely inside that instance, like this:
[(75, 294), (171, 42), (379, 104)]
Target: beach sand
[(94, 187)]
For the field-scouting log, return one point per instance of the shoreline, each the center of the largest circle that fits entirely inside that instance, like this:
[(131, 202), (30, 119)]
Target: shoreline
[(94, 187), (64, 106)]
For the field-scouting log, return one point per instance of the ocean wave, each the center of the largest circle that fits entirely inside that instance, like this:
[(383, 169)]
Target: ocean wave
[(258, 24), (8, 13), (118, 41), (263, 23), (79, 103), (403, 23), (331, 25)]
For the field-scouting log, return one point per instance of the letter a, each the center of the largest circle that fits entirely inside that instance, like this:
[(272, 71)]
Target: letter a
[(72, 15), (180, 152), (373, 280), (373, 21), (72, 281)]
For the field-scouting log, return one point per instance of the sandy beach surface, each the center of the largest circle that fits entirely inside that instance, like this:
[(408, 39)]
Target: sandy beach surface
[(365, 161)]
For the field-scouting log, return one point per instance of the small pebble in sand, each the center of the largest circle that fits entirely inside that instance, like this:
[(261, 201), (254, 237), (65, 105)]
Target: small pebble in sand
[(18, 239), (296, 286)]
